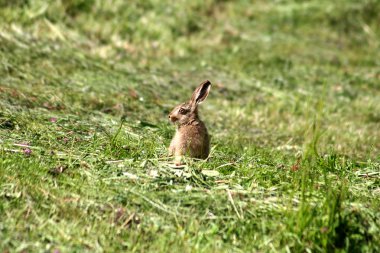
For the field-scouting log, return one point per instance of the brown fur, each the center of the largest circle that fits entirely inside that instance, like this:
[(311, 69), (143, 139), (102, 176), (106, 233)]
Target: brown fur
[(191, 137)]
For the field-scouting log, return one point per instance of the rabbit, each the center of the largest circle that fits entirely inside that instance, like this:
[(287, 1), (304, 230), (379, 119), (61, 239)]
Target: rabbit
[(191, 137)]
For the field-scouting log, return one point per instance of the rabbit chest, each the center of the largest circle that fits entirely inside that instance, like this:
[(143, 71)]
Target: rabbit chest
[(191, 140)]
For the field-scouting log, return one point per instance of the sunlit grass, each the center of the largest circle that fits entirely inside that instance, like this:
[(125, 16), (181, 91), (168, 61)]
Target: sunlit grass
[(85, 89)]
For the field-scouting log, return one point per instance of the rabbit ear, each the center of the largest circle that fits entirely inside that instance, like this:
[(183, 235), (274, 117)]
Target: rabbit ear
[(201, 93)]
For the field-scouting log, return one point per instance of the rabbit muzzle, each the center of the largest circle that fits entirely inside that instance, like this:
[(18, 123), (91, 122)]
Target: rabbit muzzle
[(172, 118)]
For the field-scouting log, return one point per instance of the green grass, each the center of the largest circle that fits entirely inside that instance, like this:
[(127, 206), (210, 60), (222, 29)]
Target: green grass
[(294, 114)]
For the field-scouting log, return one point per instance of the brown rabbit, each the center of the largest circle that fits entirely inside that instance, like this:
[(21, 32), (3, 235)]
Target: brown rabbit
[(191, 137)]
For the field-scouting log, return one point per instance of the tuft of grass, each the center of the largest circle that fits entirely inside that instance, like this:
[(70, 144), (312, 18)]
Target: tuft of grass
[(85, 88)]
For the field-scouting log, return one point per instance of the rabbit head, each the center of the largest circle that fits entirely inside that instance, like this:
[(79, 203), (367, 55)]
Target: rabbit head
[(187, 112)]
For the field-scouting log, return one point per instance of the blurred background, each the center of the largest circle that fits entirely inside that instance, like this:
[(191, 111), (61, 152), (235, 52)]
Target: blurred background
[(276, 65), (272, 62)]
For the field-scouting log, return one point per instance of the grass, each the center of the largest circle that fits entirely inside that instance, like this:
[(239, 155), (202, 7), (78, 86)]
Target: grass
[(85, 89)]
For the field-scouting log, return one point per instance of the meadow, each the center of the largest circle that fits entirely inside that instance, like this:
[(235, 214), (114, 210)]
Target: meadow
[(294, 114)]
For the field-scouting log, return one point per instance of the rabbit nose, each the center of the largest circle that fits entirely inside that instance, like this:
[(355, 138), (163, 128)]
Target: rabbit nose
[(172, 118)]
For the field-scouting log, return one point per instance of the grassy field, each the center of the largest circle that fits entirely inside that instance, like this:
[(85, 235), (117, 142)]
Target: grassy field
[(294, 114)]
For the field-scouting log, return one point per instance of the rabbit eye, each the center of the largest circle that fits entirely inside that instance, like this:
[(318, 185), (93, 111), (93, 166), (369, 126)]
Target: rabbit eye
[(182, 111)]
